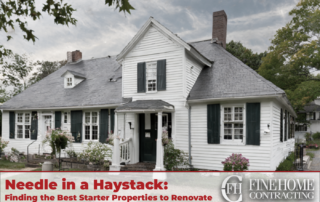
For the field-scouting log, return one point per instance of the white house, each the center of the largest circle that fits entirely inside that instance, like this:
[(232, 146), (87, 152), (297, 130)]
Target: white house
[(211, 103), (311, 113)]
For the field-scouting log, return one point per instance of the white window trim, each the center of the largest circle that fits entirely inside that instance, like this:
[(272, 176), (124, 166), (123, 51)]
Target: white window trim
[(23, 124), (147, 91), (68, 117), (233, 141), (90, 124)]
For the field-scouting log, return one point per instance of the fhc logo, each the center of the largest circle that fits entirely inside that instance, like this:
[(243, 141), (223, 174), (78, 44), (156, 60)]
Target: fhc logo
[(231, 188)]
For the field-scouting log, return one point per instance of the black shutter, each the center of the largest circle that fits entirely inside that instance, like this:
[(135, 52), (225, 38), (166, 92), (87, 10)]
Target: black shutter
[(34, 126), (112, 120), (253, 124), (213, 123), (57, 122), (314, 116), (12, 122), (76, 125), (161, 75), (169, 125), (104, 120), (141, 78), (281, 125), (285, 125)]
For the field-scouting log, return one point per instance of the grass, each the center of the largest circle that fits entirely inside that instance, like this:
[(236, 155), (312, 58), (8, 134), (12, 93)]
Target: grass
[(56, 169), (5, 164), (311, 155)]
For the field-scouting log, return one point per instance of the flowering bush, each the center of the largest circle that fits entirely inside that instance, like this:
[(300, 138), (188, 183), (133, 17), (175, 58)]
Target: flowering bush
[(110, 139), (236, 163), (71, 153), (58, 139), (165, 137), (13, 156), (312, 146), (96, 152), (3, 144)]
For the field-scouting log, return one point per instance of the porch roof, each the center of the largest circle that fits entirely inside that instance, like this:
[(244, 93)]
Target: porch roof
[(145, 106)]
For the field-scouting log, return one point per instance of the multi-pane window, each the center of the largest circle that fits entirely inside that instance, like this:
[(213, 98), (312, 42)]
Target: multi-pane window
[(151, 75), (69, 81), (233, 123), (91, 125), (65, 117), (23, 125), (301, 127)]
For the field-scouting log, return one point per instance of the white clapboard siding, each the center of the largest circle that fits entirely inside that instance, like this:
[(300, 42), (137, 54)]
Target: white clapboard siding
[(193, 69), (280, 150), (210, 156)]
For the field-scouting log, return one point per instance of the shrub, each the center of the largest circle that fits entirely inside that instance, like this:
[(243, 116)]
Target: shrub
[(316, 135), (96, 152), (3, 144), (174, 158), (236, 162), (307, 136), (110, 139), (312, 146), (13, 156), (58, 139), (287, 164), (71, 153)]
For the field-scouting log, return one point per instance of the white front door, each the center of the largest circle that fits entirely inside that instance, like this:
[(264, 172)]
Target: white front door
[(47, 123)]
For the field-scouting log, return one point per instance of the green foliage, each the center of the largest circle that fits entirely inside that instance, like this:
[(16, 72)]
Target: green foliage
[(308, 137), (58, 139), (316, 135), (287, 164), (246, 55), (45, 69), (295, 54), (122, 5), (174, 158), (71, 153), (95, 152)]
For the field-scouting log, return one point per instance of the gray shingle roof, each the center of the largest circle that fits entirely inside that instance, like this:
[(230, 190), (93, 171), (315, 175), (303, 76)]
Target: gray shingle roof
[(75, 74), (228, 76), (311, 107), (96, 90), (145, 105)]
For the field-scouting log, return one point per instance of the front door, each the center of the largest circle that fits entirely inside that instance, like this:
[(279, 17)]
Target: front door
[(148, 138)]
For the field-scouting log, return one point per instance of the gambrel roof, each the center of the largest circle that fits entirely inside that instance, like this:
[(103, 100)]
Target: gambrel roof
[(228, 77), (97, 90)]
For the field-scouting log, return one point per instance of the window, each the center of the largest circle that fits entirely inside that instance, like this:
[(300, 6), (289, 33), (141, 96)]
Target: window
[(23, 125), (91, 126), (151, 75), (301, 128), (65, 117), (69, 81), (233, 123)]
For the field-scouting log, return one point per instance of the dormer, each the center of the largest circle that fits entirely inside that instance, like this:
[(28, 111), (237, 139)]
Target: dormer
[(72, 78)]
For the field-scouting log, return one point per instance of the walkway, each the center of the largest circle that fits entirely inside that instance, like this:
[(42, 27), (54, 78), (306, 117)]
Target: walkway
[(315, 164)]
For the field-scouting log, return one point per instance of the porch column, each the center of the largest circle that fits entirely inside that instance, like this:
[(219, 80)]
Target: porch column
[(116, 148), (159, 155)]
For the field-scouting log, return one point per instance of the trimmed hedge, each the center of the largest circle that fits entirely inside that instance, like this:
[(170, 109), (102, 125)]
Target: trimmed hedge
[(287, 164), (316, 135)]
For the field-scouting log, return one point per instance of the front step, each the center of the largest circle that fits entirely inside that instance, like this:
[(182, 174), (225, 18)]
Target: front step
[(142, 166)]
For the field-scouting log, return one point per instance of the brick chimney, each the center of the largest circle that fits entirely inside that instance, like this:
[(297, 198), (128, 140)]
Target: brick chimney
[(74, 56), (219, 28)]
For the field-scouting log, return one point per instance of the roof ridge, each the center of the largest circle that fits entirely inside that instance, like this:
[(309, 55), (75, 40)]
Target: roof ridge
[(269, 83)]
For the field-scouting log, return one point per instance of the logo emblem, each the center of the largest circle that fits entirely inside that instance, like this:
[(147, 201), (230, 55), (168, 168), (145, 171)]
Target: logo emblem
[(232, 188)]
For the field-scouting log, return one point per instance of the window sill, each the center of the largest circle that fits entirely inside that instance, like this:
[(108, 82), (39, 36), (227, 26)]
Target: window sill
[(151, 92), (233, 143)]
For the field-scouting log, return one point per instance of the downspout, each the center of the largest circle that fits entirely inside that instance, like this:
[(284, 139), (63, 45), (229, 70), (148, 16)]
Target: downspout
[(189, 124)]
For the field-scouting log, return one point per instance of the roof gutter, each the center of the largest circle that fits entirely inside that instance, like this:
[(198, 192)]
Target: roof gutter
[(55, 108), (280, 97)]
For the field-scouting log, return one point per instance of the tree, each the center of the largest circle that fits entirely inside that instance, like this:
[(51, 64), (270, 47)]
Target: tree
[(15, 71), (46, 68), (246, 55), (294, 55), (14, 12)]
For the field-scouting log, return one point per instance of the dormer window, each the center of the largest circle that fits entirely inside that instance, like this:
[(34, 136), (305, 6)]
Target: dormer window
[(69, 82), (72, 78)]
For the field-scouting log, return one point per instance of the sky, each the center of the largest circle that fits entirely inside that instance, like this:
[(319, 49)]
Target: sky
[(103, 31)]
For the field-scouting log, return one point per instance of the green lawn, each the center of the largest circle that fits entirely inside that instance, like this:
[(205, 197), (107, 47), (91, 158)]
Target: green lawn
[(5, 164)]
